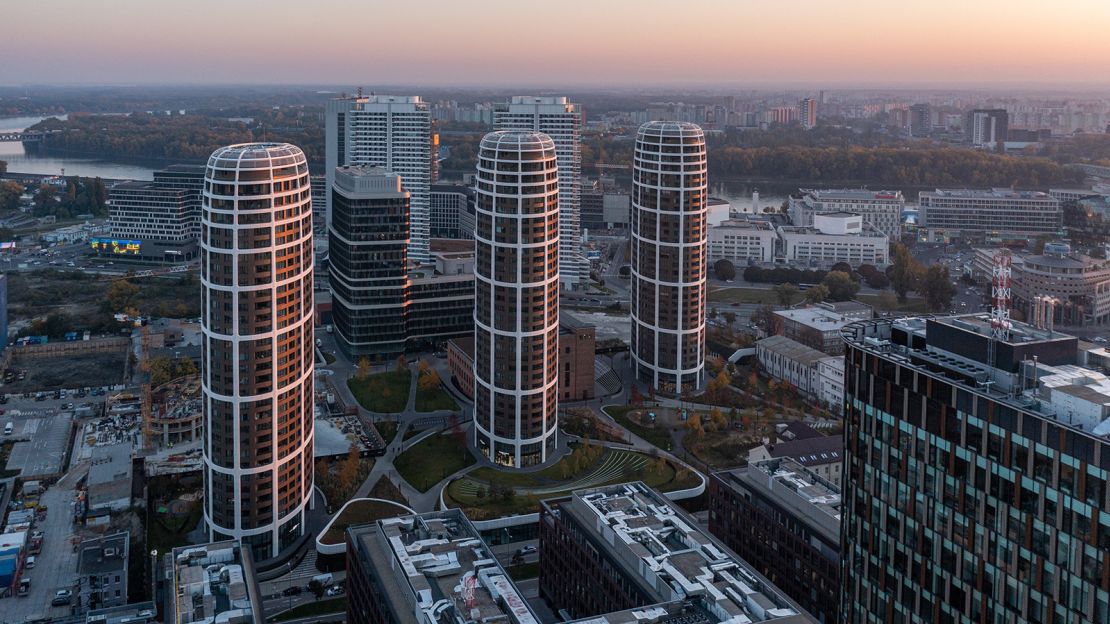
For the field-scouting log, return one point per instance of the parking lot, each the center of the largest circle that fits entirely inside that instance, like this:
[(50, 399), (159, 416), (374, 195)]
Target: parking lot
[(43, 443), (56, 565)]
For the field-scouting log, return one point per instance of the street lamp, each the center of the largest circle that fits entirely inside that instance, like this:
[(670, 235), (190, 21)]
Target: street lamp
[(153, 575)]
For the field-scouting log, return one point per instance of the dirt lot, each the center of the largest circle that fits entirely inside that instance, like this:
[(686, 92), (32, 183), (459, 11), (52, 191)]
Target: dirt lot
[(68, 371)]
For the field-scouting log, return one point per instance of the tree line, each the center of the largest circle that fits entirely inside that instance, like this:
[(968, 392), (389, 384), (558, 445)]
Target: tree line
[(80, 196)]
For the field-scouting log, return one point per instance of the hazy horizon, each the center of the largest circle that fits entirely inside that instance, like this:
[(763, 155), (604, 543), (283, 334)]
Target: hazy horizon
[(808, 44)]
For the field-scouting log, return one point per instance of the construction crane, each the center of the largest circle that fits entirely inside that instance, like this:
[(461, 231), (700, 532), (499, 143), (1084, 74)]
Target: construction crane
[(144, 391)]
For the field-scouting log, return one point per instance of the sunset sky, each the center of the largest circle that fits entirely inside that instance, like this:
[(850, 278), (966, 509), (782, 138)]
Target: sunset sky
[(558, 43)]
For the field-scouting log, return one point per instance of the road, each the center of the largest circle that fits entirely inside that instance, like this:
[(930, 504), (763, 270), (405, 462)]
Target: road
[(56, 566)]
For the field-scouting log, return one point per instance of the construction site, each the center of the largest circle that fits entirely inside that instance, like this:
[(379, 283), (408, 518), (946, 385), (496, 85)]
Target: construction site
[(71, 364)]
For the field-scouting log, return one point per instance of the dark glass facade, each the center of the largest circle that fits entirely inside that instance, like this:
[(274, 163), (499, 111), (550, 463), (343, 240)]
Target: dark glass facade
[(962, 504)]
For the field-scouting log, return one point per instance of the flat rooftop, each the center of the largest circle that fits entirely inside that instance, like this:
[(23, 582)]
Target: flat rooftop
[(662, 547), (1032, 369), (811, 498), (817, 318), (994, 193), (214, 579), (432, 562), (104, 554), (852, 194), (792, 350)]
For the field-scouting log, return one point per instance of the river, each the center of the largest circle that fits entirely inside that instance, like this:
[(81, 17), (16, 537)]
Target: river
[(736, 192), (19, 161)]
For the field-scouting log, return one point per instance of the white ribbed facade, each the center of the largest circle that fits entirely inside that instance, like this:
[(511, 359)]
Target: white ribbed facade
[(669, 233), (516, 303), (257, 363), (562, 121), (394, 133)]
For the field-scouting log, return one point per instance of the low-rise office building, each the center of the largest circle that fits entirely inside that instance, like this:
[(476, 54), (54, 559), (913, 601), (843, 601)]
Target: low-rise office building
[(447, 202), (603, 210), (625, 553), (881, 209), (1078, 285), (799, 365), (428, 568), (157, 221), (212, 582), (834, 237), (741, 241), (102, 568), (821, 455), (785, 521), (994, 215), (817, 327), (109, 480)]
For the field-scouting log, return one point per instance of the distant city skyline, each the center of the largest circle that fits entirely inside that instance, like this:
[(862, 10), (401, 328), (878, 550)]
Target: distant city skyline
[(613, 43)]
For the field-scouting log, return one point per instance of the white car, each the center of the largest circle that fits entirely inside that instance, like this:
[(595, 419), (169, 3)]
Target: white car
[(1099, 339)]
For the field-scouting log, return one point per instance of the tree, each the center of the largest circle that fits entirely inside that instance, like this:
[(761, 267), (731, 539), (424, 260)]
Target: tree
[(349, 472), (877, 280), (843, 267), (422, 367), (730, 317), (816, 294), (121, 295), (840, 285), (904, 271), (45, 198), (887, 301), (363, 369), (786, 294), (724, 269), (694, 426), (936, 286), (720, 423), (317, 588), (401, 364), (428, 380), (635, 399), (10, 192), (766, 319)]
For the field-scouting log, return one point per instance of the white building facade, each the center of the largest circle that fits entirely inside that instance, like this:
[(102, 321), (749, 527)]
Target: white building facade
[(740, 240), (882, 209), (561, 120), (394, 133)]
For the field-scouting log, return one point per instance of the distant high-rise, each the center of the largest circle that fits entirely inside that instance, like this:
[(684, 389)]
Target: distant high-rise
[(669, 235), (257, 362), (921, 123), (987, 127), (392, 132), (562, 121), (516, 301), (160, 218), (807, 112)]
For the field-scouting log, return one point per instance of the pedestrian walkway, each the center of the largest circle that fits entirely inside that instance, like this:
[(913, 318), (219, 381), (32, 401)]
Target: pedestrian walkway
[(615, 464)]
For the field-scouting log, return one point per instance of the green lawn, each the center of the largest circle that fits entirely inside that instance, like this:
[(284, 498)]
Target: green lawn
[(384, 392), (434, 399), (735, 294), (657, 436), (912, 304), (319, 607), (387, 429), (359, 512), (471, 493), (431, 460)]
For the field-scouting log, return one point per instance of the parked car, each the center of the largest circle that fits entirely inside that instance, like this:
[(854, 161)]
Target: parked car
[(61, 597)]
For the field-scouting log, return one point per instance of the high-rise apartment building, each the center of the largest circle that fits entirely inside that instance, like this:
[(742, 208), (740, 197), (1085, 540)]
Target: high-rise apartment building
[(975, 476), (392, 132), (669, 234), (257, 359), (921, 121), (562, 121), (382, 307), (987, 127), (516, 301), (449, 202), (807, 113)]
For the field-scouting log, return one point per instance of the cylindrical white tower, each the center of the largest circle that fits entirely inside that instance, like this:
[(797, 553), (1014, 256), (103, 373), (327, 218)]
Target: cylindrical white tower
[(516, 299), (256, 372), (669, 192)]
